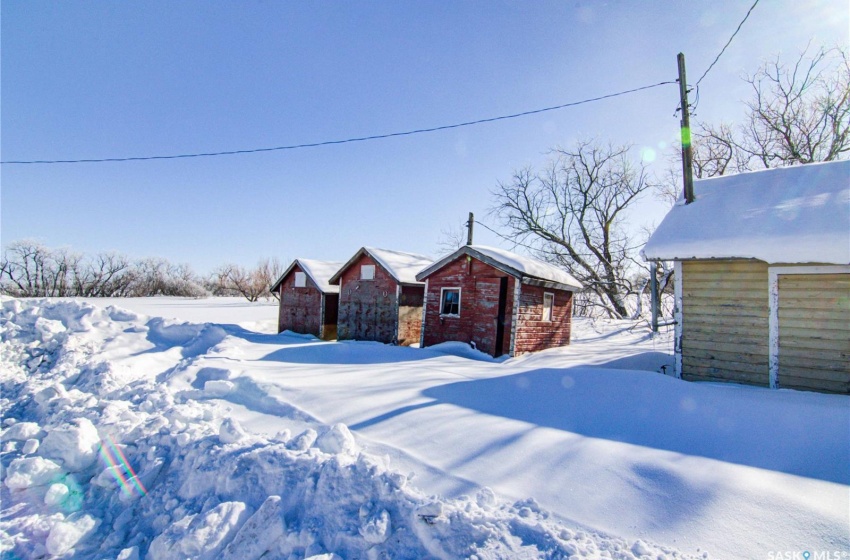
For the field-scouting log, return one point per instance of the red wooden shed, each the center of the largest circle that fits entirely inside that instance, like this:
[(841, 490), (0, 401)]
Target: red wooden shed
[(379, 296), (308, 303), (501, 302)]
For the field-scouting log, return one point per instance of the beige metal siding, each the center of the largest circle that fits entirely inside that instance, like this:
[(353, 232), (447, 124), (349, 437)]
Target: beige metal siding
[(814, 332), (725, 309)]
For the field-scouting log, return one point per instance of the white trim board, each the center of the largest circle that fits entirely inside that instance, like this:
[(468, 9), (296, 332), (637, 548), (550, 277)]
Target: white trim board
[(514, 317), (424, 315), (677, 317), (773, 274)]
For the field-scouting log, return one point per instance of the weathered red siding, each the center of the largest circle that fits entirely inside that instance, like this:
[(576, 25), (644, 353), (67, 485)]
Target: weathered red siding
[(371, 310), (300, 309), (479, 305), (532, 332)]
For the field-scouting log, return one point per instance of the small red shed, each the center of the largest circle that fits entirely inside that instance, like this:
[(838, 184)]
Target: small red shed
[(379, 296), (308, 303), (501, 302)]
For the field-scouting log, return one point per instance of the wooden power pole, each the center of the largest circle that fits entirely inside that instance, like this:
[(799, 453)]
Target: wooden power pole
[(469, 229), (687, 151)]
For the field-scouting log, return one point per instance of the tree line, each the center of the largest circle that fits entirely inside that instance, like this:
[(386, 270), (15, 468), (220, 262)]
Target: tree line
[(30, 269)]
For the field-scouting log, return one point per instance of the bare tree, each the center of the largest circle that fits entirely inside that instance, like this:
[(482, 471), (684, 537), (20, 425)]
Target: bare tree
[(451, 238), (158, 277), (571, 214), (799, 113), (267, 272), (29, 269), (252, 284), (105, 275)]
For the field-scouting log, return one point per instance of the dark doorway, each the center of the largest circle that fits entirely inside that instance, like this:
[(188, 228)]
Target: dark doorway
[(500, 318)]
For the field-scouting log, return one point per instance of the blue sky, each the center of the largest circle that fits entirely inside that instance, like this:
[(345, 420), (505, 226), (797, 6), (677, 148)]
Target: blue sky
[(106, 79)]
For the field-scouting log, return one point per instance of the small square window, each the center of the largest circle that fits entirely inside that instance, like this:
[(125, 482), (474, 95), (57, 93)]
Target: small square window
[(367, 272), (300, 280), (548, 304), (450, 302)]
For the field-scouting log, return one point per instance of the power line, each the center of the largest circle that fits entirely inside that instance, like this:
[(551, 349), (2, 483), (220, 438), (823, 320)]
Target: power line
[(710, 66), (347, 140), (514, 241), (518, 244)]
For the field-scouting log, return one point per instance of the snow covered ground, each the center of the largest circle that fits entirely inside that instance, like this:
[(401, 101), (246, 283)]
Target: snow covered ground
[(172, 428)]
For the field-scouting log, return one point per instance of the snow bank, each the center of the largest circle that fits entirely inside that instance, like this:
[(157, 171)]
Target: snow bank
[(463, 350), (130, 467)]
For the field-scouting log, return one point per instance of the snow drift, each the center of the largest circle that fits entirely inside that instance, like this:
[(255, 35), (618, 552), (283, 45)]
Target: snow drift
[(102, 458)]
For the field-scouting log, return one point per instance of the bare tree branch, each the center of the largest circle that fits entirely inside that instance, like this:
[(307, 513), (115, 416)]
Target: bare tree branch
[(570, 213), (799, 113)]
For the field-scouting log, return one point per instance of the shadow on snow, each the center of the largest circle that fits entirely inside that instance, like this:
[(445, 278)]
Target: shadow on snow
[(775, 430)]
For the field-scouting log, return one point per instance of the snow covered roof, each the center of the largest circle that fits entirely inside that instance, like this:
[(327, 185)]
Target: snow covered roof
[(797, 214), (401, 266), (320, 273), (519, 266)]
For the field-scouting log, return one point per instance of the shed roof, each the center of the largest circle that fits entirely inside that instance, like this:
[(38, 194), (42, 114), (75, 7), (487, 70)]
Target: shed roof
[(797, 214), (400, 265), (527, 269), (318, 271)]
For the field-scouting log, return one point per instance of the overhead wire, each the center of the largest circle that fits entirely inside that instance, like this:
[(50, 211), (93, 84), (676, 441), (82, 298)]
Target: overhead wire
[(710, 66), (693, 106), (506, 238), (335, 142), (526, 246), (392, 134)]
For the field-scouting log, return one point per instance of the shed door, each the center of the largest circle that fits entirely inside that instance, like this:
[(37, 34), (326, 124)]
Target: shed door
[(488, 309), (814, 332), (299, 310), (364, 315), (329, 328)]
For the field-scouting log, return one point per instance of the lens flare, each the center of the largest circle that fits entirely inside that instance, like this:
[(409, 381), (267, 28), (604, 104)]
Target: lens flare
[(648, 155), (686, 137), (120, 468)]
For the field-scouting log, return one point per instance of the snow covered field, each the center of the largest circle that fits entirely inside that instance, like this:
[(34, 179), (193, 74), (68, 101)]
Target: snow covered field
[(128, 432)]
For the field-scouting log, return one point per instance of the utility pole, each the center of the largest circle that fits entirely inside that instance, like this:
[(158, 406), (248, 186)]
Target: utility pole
[(469, 229), (687, 151)]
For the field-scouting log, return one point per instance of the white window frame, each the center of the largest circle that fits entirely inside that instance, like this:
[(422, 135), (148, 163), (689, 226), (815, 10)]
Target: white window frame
[(551, 307), (300, 279), (442, 300), (367, 271), (773, 274)]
